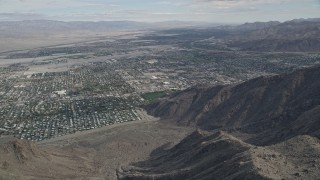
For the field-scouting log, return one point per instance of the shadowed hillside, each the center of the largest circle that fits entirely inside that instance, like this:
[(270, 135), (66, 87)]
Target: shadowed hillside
[(222, 156), (272, 108), (269, 126)]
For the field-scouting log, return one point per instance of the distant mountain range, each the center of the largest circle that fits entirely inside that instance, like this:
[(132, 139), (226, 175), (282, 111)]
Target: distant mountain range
[(295, 35), (49, 26)]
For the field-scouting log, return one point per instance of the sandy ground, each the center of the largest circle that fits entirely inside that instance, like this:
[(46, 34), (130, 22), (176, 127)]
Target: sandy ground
[(80, 134), (30, 41), (94, 154)]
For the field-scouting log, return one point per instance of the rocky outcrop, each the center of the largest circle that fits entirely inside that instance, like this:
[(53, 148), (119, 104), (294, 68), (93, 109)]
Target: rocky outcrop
[(222, 156)]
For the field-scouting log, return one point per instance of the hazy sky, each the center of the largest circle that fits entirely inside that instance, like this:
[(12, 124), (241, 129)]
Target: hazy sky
[(159, 10)]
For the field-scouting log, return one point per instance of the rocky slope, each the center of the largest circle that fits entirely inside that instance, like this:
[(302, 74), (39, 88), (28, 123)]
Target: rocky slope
[(270, 108), (222, 156), (266, 128), (21, 159), (92, 154)]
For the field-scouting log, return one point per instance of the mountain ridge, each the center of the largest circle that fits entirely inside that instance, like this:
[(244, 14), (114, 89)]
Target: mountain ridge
[(220, 155), (258, 106), (295, 36)]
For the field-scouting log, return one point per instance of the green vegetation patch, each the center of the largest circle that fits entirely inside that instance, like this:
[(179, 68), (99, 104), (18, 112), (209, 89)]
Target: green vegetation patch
[(152, 97)]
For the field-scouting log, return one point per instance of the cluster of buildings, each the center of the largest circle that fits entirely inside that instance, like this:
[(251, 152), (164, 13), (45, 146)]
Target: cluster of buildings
[(46, 105), (104, 82), (68, 117)]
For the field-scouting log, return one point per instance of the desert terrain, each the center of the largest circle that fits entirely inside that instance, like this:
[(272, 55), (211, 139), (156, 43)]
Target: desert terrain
[(129, 100), (95, 154)]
